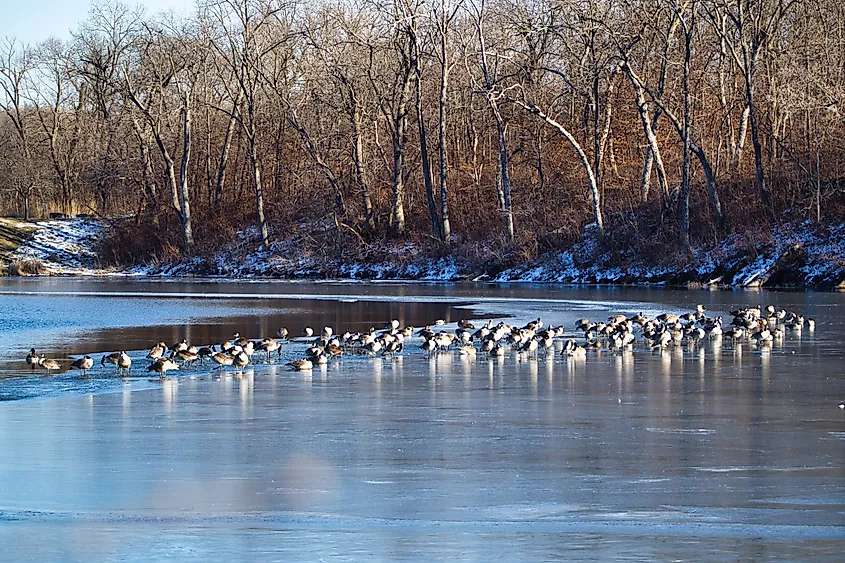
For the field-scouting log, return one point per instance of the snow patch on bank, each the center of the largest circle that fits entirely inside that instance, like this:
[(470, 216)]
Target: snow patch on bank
[(799, 255), (63, 246)]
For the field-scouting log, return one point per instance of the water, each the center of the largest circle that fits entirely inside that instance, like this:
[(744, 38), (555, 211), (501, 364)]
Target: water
[(714, 453)]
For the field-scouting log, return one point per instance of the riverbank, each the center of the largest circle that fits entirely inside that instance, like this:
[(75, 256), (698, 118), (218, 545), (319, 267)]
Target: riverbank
[(798, 255)]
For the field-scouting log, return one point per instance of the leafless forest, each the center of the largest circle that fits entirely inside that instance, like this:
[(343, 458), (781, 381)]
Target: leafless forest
[(498, 126)]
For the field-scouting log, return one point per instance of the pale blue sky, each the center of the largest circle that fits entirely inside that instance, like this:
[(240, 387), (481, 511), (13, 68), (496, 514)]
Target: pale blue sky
[(32, 21)]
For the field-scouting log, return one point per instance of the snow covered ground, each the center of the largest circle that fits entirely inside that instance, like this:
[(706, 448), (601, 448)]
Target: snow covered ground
[(63, 246), (799, 256)]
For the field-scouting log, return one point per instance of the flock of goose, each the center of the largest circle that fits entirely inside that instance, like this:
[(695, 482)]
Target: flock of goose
[(757, 324)]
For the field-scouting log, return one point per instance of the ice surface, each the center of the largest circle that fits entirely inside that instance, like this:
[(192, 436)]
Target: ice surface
[(721, 452)]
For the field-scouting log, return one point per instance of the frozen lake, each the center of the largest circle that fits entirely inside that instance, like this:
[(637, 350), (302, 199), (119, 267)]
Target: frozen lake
[(717, 452)]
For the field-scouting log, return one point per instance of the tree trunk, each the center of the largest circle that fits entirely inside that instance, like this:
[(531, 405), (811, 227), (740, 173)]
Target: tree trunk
[(740, 139), (505, 187), (765, 193), (255, 164), (685, 137), (585, 163), (653, 153), (358, 159), (426, 164), (446, 227), (184, 199), (224, 154)]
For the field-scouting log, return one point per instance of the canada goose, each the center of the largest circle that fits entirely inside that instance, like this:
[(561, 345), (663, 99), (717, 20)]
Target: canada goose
[(811, 324), (314, 352), (47, 364), (393, 348), (308, 332), (428, 346), (241, 360), (667, 318), (205, 352), (616, 319), (497, 351), (110, 359), (439, 322), (222, 359), (157, 351), (444, 340), (529, 347), (534, 325), (270, 345), (282, 333), (32, 358), (333, 350), (300, 365), (124, 362), (187, 357), (466, 325), (327, 332), (85, 363), (162, 365), (374, 347), (468, 351), (394, 325), (180, 346)]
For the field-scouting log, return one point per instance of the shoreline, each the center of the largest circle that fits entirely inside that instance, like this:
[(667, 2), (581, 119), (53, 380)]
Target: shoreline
[(797, 256)]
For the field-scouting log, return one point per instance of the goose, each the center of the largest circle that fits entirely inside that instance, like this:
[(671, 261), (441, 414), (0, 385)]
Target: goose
[(428, 346), (119, 359), (47, 364), (110, 359), (534, 325), (84, 363), (393, 348), (667, 318), (529, 347), (487, 345), (582, 325), (313, 352), (546, 343), (157, 351), (444, 340), (300, 365), (124, 362), (394, 325), (222, 359), (205, 352), (186, 356), (616, 319), (327, 332), (241, 360), (373, 347), (333, 350), (270, 345), (282, 333), (577, 352), (32, 358), (468, 351), (162, 365), (180, 346), (439, 322), (465, 324), (308, 332), (497, 351)]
